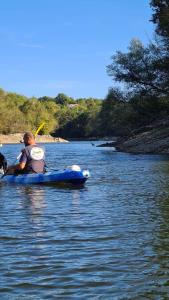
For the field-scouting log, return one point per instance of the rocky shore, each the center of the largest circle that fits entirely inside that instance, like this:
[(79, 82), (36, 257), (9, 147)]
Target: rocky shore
[(18, 137), (152, 139)]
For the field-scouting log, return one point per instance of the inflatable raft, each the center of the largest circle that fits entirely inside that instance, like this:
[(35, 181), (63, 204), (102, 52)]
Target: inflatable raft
[(67, 176)]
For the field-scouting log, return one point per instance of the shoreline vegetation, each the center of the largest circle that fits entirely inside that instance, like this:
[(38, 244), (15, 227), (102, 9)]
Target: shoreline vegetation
[(137, 113)]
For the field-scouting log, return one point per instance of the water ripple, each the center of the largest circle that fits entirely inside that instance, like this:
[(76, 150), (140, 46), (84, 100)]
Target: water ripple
[(107, 240)]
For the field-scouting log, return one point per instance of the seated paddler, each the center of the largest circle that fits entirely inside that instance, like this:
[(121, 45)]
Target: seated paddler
[(32, 159), (3, 164)]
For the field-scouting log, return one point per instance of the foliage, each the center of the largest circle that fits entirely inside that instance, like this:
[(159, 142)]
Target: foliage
[(160, 18), (62, 99), (144, 73), (145, 69), (62, 115), (80, 120), (140, 69), (117, 116)]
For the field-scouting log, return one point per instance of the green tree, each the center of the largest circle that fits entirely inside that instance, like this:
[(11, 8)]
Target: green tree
[(46, 98), (2, 93), (35, 113), (140, 69), (160, 18), (62, 99), (79, 120), (107, 116)]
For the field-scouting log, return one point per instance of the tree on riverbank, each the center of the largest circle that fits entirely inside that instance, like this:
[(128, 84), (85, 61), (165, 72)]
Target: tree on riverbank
[(62, 115), (144, 73), (140, 69), (80, 120), (160, 18)]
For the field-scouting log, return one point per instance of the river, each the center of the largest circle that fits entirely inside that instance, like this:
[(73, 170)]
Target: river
[(106, 240)]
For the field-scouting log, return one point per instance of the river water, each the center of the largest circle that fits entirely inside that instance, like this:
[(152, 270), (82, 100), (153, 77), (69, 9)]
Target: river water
[(106, 240)]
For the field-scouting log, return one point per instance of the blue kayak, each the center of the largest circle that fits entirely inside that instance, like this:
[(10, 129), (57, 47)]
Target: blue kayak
[(65, 176)]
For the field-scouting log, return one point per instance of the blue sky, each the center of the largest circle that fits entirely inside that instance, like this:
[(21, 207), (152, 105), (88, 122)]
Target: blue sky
[(63, 46)]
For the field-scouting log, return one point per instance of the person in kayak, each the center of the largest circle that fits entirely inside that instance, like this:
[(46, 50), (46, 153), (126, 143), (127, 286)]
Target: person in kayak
[(32, 158), (3, 164)]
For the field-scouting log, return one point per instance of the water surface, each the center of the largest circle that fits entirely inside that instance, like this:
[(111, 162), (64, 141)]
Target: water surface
[(106, 240)]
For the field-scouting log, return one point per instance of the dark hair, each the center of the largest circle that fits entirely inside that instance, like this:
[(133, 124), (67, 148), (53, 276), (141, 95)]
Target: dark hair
[(28, 135)]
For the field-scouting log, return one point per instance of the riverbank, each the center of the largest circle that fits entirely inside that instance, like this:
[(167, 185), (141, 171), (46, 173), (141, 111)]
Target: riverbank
[(153, 139), (17, 138)]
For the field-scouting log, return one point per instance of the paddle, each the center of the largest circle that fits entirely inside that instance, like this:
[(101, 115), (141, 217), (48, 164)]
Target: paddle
[(18, 157), (39, 128)]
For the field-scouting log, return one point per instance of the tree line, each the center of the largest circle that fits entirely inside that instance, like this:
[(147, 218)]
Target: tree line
[(143, 72), (63, 115)]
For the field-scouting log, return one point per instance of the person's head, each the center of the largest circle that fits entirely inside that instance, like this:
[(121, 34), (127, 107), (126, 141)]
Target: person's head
[(28, 138)]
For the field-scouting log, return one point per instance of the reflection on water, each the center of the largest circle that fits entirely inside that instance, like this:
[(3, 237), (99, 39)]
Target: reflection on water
[(33, 197), (107, 240)]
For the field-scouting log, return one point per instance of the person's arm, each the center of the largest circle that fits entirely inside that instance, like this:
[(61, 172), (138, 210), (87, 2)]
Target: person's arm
[(20, 165)]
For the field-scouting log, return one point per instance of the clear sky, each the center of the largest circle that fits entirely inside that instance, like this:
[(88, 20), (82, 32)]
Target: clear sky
[(63, 46)]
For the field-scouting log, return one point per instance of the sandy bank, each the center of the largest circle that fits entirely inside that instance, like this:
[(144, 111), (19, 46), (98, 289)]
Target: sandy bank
[(17, 137)]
